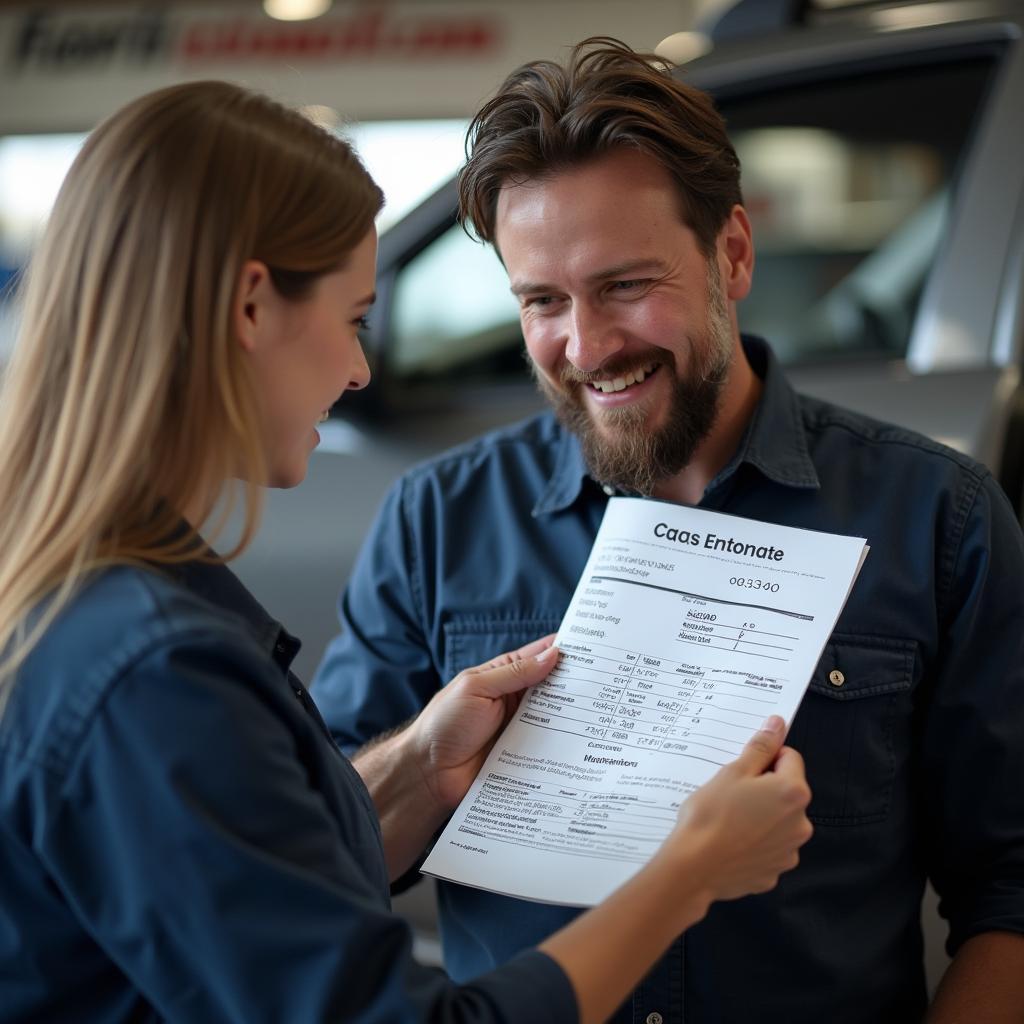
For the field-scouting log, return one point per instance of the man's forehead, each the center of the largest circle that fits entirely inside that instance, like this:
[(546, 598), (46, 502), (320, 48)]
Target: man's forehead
[(515, 193), (619, 187)]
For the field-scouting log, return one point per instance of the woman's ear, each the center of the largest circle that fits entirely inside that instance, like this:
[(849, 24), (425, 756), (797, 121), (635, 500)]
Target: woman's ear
[(255, 304)]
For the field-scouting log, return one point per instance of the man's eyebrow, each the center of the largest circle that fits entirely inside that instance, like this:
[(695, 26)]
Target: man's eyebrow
[(618, 270), (368, 301), (628, 267), (531, 288)]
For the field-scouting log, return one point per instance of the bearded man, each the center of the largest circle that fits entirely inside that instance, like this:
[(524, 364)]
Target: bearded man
[(612, 194)]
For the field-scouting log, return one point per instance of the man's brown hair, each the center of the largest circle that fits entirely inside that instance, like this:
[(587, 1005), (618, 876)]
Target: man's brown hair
[(547, 117)]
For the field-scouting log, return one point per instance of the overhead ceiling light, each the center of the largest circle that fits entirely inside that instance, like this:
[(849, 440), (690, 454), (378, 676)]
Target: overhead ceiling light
[(681, 47), (296, 10)]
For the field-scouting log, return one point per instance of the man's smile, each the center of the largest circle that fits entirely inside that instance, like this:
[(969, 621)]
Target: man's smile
[(611, 384)]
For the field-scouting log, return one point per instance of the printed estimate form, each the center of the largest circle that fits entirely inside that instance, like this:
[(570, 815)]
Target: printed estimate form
[(687, 629)]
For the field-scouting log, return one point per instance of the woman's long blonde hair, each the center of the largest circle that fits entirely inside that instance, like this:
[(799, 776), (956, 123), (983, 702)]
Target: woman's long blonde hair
[(127, 397)]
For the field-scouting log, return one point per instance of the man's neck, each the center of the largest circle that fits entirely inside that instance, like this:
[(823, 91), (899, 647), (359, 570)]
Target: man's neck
[(739, 399)]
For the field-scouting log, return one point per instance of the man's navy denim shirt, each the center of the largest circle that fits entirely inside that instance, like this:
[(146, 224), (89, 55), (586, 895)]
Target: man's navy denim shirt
[(915, 763), (180, 839)]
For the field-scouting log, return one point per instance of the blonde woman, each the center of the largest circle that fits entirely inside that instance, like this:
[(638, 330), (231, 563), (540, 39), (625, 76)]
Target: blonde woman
[(179, 838)]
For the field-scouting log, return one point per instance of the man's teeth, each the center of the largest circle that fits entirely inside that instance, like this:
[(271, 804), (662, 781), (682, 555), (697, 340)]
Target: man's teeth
[(621, 383), (324, 416)]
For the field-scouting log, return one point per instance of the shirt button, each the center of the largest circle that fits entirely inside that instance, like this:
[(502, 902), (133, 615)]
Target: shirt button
[(654, 1018), (836, 678), (610, 491)]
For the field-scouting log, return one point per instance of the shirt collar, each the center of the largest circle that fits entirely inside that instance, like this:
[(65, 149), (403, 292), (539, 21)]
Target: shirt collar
[(568, 478), (216, 583), (774, 442)]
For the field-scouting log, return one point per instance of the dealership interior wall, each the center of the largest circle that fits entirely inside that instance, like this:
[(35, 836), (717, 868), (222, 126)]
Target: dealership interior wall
[(63, 68)]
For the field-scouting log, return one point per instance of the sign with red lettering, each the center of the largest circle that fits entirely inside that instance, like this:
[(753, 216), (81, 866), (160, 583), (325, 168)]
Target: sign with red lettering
[(47, 40)]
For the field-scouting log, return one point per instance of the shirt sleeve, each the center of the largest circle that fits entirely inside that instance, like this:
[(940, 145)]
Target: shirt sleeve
[(221, 861), (972, 773), (356, 688)]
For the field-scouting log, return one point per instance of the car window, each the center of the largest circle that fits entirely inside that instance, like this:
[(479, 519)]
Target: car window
[(453, 313), (849, 184)]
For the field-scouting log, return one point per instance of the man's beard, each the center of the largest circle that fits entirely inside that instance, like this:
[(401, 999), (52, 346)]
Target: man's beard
[(626, 454)]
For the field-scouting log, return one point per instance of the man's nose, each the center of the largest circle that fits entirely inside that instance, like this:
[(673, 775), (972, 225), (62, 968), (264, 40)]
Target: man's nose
[(592, 338)]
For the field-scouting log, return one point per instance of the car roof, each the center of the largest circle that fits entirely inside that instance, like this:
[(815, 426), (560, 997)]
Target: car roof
[(751, 19)]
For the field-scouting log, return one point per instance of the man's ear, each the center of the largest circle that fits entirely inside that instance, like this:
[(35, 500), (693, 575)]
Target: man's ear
[(254, 304), (736, 254)]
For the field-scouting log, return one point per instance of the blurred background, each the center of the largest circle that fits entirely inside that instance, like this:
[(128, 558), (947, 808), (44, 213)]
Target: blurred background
[(882, 156)]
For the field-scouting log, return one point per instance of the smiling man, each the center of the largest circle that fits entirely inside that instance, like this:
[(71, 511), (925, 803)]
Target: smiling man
[(639, 356), (612, 194)]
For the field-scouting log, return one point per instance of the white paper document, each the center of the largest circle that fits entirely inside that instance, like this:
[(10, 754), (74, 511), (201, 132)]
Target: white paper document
[(687, 629)]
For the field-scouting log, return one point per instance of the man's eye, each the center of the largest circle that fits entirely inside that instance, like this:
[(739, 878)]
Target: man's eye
[(362, 322), (625, 286), (539, 301)]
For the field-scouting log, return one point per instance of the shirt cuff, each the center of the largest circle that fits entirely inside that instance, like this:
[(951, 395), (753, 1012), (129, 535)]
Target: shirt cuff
[(531, 986)]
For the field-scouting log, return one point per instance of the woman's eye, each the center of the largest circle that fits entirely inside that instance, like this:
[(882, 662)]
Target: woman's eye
[(362, 322)]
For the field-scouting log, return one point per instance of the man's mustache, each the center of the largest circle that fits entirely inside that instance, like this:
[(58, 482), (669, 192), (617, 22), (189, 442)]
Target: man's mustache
[(570, 374)]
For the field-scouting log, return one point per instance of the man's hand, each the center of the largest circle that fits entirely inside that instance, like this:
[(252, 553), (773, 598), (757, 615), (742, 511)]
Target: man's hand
[(984, 984), (454, 733)]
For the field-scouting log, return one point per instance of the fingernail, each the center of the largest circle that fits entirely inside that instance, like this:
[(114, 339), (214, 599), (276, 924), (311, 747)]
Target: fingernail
[(773, 723), (547, 653)]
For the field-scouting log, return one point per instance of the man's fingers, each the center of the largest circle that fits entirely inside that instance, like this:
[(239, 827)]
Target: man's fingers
[(497, 680), (763, 747)]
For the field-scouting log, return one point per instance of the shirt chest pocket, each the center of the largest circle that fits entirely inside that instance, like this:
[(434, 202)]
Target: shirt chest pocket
[(471, 640), (853, 727)]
